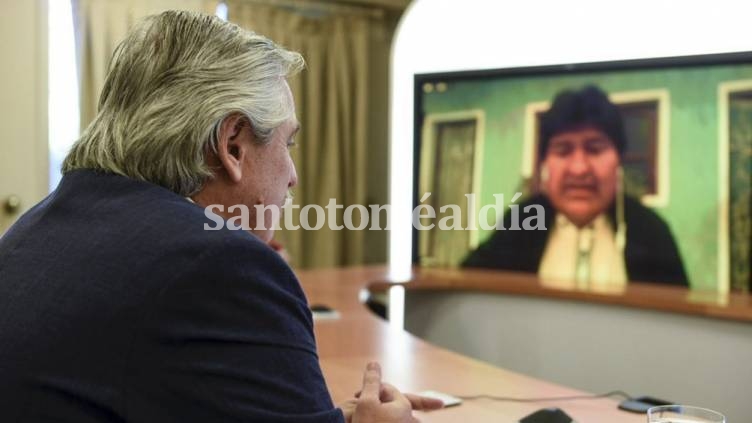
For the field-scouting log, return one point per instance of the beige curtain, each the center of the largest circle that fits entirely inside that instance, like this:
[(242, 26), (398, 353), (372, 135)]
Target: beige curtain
[(342, 105), (100, 26)]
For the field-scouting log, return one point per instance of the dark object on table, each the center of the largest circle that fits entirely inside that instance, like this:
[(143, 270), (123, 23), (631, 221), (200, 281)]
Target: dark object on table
[(320, 308), (641, 404), (548, 415)]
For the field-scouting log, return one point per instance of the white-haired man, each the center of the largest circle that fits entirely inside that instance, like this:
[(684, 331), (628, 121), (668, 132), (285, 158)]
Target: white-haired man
[(117, 306)]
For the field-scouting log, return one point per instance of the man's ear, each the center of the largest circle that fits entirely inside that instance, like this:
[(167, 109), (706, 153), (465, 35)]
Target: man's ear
[(232, 147)]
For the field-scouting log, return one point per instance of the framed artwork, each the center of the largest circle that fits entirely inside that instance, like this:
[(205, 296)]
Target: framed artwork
[(450, 164), (735, 187)]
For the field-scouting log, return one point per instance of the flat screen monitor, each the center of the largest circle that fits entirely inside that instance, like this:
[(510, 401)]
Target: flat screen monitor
[(589, 175)]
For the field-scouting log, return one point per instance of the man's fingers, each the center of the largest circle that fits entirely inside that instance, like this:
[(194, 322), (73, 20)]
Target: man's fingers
[(348, 409), (390, 394), (371, 382), (424, 403), (418, 402)]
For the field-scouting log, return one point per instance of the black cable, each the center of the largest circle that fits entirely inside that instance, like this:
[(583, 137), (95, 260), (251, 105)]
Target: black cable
[(550, 399)]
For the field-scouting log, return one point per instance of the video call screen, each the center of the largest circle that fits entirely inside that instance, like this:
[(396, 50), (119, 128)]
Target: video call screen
[(590, 175)]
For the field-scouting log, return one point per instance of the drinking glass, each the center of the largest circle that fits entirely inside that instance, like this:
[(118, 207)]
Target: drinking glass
[(683, 414)]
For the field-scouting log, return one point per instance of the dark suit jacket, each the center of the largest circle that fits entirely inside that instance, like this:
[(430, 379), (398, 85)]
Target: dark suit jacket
[(117, 306), (650, 255)]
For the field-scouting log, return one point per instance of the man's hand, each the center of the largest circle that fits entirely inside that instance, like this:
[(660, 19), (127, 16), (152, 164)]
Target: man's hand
[(383, 403)]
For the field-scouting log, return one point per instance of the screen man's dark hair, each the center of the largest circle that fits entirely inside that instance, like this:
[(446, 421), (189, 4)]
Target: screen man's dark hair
[(577, 109)]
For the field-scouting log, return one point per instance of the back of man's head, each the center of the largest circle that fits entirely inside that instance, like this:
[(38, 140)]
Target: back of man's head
[(171, 82)]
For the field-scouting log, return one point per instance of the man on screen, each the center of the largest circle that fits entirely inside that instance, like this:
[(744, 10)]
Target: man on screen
[(116, 305), (596, 235)]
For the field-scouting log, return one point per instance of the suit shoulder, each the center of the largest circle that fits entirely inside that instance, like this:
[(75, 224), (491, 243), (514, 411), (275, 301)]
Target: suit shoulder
[(181, 234)]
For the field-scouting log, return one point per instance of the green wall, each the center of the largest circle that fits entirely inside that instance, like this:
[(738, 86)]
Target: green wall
[(692, 210)]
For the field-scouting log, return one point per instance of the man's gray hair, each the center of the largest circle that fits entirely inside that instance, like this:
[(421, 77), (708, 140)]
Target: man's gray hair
[(171, 83)]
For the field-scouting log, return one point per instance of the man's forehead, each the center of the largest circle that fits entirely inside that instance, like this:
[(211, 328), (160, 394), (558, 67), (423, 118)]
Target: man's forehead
[(295, 125), (580, 135), (289, 128)]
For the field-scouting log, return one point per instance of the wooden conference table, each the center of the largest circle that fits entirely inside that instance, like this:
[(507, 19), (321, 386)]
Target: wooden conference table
[(358, 336)]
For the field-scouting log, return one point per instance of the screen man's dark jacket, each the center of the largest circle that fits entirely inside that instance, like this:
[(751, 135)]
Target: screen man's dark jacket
[(650, 254), (117, 306)]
